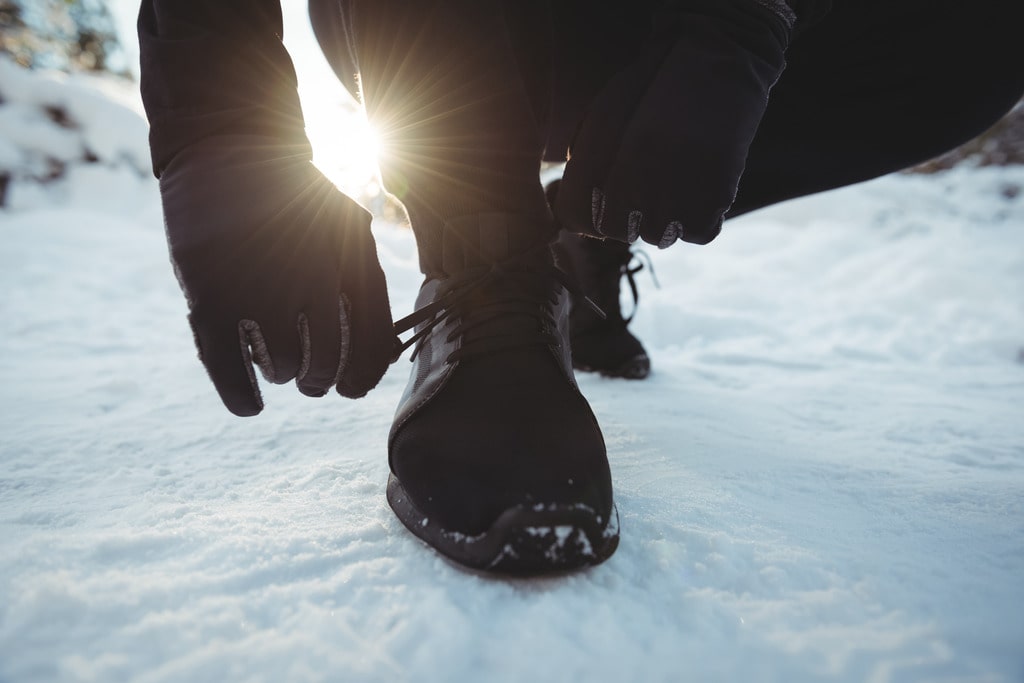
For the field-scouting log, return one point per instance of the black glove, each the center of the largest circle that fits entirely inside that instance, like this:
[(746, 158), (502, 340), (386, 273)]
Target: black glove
[(660, 153), (279, 268)]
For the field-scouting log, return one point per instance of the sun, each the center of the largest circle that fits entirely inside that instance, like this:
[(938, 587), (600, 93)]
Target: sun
[(346, 147), (350, 142)]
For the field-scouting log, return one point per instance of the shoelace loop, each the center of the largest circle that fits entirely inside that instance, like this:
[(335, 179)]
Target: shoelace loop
[(629, 271)]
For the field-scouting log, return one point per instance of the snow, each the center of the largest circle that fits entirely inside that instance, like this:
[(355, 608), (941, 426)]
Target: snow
[(823, 479), (103, 116)]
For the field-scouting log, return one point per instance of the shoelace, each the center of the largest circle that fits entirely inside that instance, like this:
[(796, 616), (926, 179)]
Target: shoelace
[(488, 296), (628, 271)]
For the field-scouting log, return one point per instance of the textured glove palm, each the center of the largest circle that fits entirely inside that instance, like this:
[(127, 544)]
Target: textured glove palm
[(279, 268)]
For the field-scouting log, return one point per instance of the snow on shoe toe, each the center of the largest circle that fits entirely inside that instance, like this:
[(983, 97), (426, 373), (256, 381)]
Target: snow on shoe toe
[(526, 540)]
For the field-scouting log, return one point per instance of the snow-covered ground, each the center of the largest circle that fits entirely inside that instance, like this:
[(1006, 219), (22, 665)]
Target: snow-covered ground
[(822, 480)]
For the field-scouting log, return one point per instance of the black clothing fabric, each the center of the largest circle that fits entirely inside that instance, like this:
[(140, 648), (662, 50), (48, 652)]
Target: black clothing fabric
[(472, 91), (443, 84), (216, 67), (869, 86), (878, 86)]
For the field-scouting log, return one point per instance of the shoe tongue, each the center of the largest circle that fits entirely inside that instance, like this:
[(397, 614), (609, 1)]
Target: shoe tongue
[(488, 239), (508, 325)]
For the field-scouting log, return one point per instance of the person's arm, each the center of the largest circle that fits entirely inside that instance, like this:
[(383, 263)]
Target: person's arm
[(279, 268), (660, 154), (211, 67)]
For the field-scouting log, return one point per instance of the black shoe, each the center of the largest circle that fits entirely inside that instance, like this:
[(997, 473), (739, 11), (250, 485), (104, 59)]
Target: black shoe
[(497, 460), (603, 345)]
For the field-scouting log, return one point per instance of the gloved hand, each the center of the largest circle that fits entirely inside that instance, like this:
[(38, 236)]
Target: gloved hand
[(660, 153), (279, 268)]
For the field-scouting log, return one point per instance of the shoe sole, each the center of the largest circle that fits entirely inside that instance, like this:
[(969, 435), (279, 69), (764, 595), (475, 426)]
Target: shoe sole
[(638, 367), (527, 540)]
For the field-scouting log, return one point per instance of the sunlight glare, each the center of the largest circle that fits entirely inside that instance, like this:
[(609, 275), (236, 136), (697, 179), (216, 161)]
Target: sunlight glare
[(345, 147)]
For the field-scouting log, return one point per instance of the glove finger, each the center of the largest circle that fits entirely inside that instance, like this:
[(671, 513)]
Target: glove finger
[(276, 351), (620, 220), (324, 347), (650, 212), (228, 361), (368, 326)]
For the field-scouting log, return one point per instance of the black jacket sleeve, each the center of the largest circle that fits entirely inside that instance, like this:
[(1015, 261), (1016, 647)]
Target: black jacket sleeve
[(215, 66)]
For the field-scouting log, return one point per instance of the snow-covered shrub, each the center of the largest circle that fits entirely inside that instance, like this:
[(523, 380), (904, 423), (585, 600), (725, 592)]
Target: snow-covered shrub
[(53, 123)]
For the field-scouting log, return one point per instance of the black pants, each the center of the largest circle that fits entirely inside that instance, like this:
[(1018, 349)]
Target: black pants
[(876, 86)]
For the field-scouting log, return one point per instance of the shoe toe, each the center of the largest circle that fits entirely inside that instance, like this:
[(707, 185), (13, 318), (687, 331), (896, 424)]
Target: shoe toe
[(507, 442)]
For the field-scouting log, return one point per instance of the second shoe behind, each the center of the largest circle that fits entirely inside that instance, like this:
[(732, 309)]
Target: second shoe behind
[(603, 345), (600, 344)]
